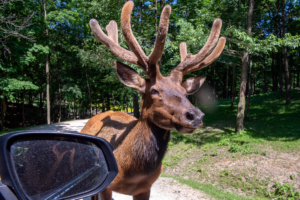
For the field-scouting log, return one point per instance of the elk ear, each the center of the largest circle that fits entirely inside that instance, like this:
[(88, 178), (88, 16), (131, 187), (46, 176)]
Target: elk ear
[(130, 77), (192, 84)]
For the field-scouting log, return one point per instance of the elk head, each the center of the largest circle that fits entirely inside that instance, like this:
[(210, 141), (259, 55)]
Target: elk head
[(164, 98)]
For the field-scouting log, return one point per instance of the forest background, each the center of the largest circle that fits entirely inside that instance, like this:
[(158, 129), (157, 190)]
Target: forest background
[(49, 44), (53, 69)]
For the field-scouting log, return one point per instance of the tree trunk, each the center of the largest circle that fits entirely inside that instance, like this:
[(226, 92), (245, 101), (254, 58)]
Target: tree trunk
[(41, 99), (68, 110), (74, 111), (162, 4), (155, 14), (241, 106), (30, 99), (298, 80), (2, 110), (47, 71), (114, 102), (280, 73), (254, 78), (64, 110), (52, 105), (47, 89), (96, 108), (89, 92), (249, 90), (23, 111), (274, 75), (265, 80), (233, 86), (59, 106), (292, 75), (135, 105), (17, 98), (103, 102), (245, 60), (286, 66), (227, 74), (107, 101)]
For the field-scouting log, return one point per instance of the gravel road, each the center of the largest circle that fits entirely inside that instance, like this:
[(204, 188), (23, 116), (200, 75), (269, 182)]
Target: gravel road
[(163, 189)]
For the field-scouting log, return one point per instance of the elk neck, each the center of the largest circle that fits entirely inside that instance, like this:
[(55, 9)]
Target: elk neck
[(149, 145)]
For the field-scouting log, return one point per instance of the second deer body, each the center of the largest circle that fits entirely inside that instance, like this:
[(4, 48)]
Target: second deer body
[(140, 144)]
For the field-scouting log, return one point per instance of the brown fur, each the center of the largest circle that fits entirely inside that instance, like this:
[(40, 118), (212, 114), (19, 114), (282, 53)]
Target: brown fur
[(140, 144)]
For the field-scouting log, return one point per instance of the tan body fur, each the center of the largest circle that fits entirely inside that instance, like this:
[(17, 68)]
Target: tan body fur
[(122, 130)]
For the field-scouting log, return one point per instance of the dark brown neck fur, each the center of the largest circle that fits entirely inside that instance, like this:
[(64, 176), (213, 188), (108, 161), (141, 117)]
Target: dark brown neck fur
[(149, 147)]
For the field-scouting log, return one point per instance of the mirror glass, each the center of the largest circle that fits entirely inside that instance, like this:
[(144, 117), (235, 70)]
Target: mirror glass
[(57, 167)]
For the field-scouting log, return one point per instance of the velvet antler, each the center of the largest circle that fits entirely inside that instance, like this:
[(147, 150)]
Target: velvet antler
[(190, 63), (111, 43), (161, 36), (137, 56)]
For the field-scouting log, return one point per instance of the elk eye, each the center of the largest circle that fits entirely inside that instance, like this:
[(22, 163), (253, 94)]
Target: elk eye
[(154, 91)]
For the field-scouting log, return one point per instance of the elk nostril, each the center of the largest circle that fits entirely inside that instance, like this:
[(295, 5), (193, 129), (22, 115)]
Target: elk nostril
[(189, 116)]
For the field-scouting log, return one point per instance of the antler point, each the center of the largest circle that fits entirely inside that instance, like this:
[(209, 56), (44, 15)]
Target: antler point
[(93, 22), (168, 7), (218, 19)]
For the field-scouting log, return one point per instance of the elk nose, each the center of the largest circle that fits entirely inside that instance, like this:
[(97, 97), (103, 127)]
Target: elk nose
[(195, 117), (189, 115)]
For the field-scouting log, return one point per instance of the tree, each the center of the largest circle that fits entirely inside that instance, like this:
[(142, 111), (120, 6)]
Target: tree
[(286, 66), (245, 61)]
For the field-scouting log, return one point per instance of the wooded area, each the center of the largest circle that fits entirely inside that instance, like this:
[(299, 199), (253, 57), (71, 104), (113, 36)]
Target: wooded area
[(53, 68)]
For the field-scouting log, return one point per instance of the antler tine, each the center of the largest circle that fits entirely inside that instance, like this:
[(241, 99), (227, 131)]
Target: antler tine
[(111, 44), (112, 31), (129, 37), (206, 50), (210, 59), (161, 36), (183, 51)]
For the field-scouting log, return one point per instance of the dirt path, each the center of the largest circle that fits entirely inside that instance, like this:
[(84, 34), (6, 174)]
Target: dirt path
[(163, 189)]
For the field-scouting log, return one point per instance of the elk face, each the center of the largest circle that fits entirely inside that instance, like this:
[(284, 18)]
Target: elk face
[(164, 98), (170, 108), (165, 102)]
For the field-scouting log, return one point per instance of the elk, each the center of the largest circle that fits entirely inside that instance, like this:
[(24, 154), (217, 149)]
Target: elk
[(140, 144)]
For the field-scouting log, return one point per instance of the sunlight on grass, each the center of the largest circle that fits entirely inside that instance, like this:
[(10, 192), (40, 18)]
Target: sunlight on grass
[(269, 120), (209, 189)]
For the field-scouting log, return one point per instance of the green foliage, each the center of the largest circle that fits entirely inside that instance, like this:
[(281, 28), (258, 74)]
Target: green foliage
[(225, 172), (12, 84), (235, 148), (224, 142), (286, 191), (292, 176)]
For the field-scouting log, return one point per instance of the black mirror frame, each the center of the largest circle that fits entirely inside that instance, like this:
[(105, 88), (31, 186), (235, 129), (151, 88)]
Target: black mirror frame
[(6, 170)]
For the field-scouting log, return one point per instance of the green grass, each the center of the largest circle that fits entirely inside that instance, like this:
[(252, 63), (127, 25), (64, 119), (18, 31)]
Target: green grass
[(209, 189), (270, 121)]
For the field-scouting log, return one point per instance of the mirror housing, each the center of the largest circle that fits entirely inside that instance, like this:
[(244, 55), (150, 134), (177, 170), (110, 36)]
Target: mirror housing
[(69, 161)]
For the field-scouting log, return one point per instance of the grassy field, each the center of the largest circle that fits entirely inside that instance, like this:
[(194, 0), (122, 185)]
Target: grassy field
[(261, 162)]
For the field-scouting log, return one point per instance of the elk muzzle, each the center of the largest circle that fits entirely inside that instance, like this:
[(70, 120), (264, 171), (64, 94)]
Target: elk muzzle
[(194, 117), (189, 120)]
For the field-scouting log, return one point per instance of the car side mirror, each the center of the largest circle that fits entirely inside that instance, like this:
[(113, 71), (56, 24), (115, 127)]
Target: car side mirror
[(55, 165)]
